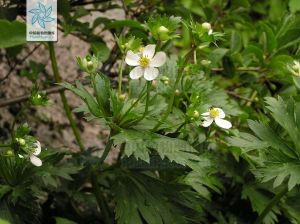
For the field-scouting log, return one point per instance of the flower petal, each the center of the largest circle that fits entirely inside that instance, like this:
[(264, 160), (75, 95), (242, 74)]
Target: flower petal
[(223, 123), (221, 113), (137, 72), (207, 122), (151, 73), (205, 114), (35, 160), (38, 148), (132, 59), (149, 51), (159, 59)]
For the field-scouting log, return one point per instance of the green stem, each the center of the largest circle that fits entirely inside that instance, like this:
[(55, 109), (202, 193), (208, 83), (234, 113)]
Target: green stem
[(120, 76), (100, 199), (106, 151), (5, 145), (133, 105), (63, 97), (271, 204), (147, 98)]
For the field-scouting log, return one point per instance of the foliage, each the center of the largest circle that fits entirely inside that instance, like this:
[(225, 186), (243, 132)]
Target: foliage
[(213, 57)]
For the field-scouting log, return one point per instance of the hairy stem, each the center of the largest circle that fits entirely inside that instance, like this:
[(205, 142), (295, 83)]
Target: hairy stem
[(120, 76), (147, 98), (63, 97), (106, 151), (271, 204)]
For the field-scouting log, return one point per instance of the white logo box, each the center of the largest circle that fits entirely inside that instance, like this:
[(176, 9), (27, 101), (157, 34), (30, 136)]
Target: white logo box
[(41, 20)]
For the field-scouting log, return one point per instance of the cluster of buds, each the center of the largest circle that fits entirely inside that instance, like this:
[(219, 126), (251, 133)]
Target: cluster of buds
[(88, 64)]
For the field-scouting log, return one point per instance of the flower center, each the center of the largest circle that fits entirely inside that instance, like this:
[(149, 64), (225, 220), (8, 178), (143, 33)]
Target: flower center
[(144, 62), (213, 112)]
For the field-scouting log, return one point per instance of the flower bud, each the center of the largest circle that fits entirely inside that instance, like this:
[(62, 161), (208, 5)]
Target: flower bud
[(122, 97), (163, 29), (154, 83), (9, 152), (177, 92), (206, 26), (205, 62), (20, 141), (196, 114)]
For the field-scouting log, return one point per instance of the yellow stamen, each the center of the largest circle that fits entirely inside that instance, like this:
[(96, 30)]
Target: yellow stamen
[(144, 62), (214, 112)]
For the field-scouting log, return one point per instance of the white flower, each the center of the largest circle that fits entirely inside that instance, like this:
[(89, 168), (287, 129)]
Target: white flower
[(33, 157), (146, 62), (295, 68), (217, 115)]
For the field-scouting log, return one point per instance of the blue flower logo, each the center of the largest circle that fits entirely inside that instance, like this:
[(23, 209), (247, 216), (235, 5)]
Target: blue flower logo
[(41, 15)]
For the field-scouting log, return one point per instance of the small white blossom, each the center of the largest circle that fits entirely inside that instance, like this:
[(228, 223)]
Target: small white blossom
[(146, 62), (33, 157), (215, 115), (295, 68)]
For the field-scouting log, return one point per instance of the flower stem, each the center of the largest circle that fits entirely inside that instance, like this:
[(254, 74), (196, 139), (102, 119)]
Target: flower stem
[(120, 76), (271, 204), (63, 97), (147, 98), (106, 151), (5, 145), (133, 105)]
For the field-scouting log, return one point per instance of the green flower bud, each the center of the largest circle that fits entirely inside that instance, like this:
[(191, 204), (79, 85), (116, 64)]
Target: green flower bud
[(196, 114), (163, 29), (205, 62), (20, 141)]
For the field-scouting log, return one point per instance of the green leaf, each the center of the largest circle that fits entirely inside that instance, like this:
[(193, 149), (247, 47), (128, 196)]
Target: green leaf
[(296, 81), (100, 50), (90, 101), (60, 220), (279, 172), (284, 114), (217, 55), (294, 6), (236, 42), (265, 133), (139, 197), (124, 23), (2, 221), (269, 39), (101, 85), (12, 33), (140, 144), (259, 201)]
